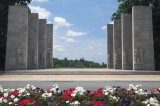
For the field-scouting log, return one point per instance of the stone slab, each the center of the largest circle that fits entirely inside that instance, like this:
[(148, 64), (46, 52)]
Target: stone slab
[(17, 38), (49, 53), (109, 46), (143, 48), (42, 44), (117, 45), (33, 26), (126, 22)]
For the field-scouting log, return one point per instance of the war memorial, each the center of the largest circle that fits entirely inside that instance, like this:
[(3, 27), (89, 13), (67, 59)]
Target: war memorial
[(129, 41)]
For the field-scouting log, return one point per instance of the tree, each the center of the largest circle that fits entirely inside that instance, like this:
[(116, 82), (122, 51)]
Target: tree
[(3, 25), (126, 6)]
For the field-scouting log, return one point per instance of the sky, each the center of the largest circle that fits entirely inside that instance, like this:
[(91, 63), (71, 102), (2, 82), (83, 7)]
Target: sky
[(80, 26)]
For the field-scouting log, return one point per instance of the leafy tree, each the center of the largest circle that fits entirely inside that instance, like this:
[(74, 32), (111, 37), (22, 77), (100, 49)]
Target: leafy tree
[(3, 25), (126, 7)]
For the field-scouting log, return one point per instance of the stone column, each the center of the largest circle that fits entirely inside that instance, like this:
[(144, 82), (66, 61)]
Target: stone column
[(117, 45), (142, 33), (17, 38), (126, 22), (33, 26), (49, 54), (109, 46), (42, 44)]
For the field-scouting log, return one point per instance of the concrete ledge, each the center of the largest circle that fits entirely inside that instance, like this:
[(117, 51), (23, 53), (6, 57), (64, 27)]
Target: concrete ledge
[(81, 71)]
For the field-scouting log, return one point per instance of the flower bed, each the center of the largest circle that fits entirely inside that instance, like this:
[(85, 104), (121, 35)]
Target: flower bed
[(108, 96)]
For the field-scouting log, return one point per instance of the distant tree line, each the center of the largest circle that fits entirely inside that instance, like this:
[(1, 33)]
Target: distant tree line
[(66, 63)]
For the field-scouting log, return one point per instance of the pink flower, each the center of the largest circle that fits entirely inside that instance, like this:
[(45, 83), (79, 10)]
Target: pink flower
[(93, 102)]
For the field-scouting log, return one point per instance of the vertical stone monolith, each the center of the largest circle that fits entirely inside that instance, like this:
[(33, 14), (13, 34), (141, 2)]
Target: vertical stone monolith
[(142, 35), (33, 26), (117, 45), (17, 38), (42, 44), (109, 46), (126, 26), (49, 53)]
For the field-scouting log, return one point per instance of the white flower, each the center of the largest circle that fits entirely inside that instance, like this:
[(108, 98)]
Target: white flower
[(106, 93), (0, 100), (1, 88), (46, 95), (5, 94), (5, 101), (12, 96), (73, 94), (76, 102), (67, 101), (10, 103), (55, 86), (15, 99), (28, 94), (21, 90)]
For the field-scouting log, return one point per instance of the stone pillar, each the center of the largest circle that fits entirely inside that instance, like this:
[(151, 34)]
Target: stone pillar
[(49, 54), (117, 45), (142, 33), (42, 44), (33, 26), (126, 22), (17, 38), (109, 46)]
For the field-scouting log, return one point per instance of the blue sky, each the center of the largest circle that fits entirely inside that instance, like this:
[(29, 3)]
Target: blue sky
[(79, 26)]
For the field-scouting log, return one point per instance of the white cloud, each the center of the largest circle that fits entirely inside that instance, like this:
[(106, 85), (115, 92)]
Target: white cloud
[(90, 47), (61, 22), (43, 13), (72, 33), (49, 22), (104, 27), (41, 0), (59, 48), (111, 22), (68, 39), (100, 53)]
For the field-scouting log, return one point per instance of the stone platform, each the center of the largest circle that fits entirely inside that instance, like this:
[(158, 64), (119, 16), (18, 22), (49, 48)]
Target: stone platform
[(79, 71)]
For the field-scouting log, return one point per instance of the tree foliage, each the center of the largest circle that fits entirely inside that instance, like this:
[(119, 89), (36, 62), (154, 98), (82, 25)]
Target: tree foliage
[(126, 6), (65, 63), (3, 25)]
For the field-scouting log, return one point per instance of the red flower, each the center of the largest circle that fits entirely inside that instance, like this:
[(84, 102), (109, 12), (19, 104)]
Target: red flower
[(9, 96), (132, 89), (103, 102), (93, 102), (48, 90), (25, 102), (124, 89)]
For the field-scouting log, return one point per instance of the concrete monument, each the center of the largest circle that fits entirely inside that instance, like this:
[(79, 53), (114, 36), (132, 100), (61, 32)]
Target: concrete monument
[(17, 38), (126, 24), (142, 35), (117, 51), (42, 45), (49, 53), (110, 46), (33, 26)]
